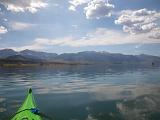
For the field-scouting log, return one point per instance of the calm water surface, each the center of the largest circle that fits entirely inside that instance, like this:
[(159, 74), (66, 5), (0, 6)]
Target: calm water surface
[(84, 92)]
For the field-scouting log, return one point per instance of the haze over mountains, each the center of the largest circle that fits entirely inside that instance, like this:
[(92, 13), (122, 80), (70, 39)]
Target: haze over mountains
[(88, 57)]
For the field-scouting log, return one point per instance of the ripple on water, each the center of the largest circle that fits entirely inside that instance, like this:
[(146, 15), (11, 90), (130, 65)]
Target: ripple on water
[(84, 93)]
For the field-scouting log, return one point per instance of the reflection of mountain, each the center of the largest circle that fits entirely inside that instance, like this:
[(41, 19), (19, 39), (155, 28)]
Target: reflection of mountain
[(87, 57), (91, 92)]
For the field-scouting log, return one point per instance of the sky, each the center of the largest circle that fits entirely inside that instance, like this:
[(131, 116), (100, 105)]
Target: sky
[(65, 26)]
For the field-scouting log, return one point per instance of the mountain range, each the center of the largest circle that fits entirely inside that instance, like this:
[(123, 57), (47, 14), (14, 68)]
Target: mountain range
[(86, 57)]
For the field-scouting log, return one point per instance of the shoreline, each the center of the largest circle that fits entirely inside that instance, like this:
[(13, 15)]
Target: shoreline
[(57, 64)]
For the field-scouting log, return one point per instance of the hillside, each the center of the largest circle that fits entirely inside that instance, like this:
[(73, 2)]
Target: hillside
[(86, 57)]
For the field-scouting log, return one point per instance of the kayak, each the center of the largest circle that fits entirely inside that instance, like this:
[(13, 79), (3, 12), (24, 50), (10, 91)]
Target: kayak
[(28, 110)]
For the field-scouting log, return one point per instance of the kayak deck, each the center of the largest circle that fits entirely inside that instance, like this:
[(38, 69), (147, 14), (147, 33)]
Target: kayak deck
[(25, 111)]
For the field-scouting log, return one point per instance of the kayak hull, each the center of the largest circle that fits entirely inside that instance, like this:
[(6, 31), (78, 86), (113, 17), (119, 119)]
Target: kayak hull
[(25, 111)]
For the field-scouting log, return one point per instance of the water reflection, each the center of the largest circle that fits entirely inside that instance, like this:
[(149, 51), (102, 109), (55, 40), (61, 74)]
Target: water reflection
[(145, 107), (84, 92), (2, 104)]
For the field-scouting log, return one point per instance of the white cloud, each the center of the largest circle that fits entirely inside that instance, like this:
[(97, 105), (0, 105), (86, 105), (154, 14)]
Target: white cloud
[(93, 8), (20, 25), (76, 3), (23, 5), (72, 8), (140, 21), (55, 4), (5, 19), (97, 9), (33, 46), (3, 30), (75, 26), (155, 33), (99, 37)]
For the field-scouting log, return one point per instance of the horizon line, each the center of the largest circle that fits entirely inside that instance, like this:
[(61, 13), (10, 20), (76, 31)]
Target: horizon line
[(77, 52)]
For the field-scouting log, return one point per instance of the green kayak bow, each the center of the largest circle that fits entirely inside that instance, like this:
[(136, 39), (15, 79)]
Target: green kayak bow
[(28, 110)]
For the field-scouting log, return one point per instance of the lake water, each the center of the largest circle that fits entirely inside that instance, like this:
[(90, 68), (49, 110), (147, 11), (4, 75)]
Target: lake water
[(84, 92)]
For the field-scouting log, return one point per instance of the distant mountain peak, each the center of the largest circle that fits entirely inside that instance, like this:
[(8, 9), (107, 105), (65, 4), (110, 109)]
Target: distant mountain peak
[(80, 57), (9, 50), (28, 51)]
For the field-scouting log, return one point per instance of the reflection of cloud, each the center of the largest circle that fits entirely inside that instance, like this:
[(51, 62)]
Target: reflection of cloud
[(2, 99), (140, 108), (98, 91), (88, 108), (2, 108), (90, 117), (15, 103), (69, 87), (113, 92)]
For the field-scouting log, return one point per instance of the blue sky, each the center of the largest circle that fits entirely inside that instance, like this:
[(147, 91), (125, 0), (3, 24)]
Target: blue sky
[(125, 26)]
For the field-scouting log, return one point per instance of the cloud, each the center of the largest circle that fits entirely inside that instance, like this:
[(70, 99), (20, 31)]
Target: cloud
[(3, 30), (155, 33), (55, 5), (75, 26), (5, 19), (140, 21), (76, 3), (72, 8), (97, 9), (34, 46), (20, 25), (24, 5), (93, 9), (99, 37)]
